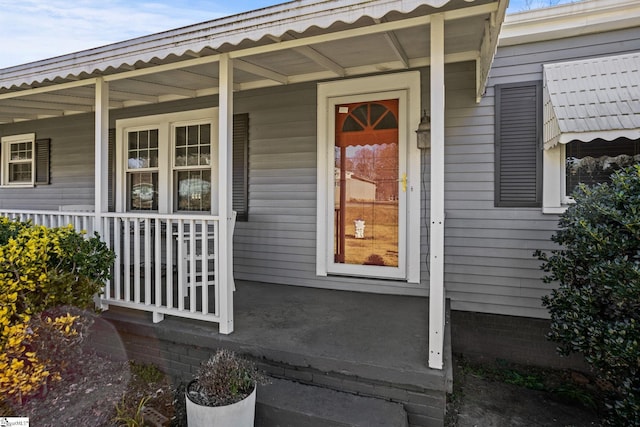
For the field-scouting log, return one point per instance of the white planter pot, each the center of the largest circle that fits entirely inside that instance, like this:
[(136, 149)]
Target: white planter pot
[(239, 414)]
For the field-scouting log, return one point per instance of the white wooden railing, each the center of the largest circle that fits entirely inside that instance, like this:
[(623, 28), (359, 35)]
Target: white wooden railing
[(165, 264)]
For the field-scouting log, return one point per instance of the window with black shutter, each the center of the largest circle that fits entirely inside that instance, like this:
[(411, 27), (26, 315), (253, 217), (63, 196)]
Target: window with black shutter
[(240, 166), (518, 149)]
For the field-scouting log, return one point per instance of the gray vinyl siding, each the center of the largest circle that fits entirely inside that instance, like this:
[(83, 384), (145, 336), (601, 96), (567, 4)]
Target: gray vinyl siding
[(71, 164), (489, 263)]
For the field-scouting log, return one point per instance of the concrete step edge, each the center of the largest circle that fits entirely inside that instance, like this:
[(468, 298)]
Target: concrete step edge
[(286, 403)]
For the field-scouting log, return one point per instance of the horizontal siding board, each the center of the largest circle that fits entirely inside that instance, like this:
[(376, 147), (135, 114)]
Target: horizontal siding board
[(507, 291), (503, 281)]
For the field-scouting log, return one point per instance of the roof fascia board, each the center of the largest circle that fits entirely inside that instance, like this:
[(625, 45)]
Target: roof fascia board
[(253, 25), (161, 68), (138, 99), (283, 45), (196, 38), (364, 31), (489, 47), (46, 89), (569, 20)]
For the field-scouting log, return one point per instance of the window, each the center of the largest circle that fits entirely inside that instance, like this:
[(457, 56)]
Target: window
[(169, 163), (18, 160), (518, 142), (567, 165), (593, 162), (192, 167), (142, 170)]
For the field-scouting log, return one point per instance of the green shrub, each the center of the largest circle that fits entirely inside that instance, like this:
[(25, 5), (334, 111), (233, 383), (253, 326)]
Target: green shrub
[(596, 308), (42, 272), (44, 267)]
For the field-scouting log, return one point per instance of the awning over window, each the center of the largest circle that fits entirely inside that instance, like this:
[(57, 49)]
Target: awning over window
[(589, 99)]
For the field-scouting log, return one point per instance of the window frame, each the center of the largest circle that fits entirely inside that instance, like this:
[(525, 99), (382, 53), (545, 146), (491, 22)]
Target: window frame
[(175, 169), (7, 142), (556, 199), (128, 171), (165, 124), (360, 89)]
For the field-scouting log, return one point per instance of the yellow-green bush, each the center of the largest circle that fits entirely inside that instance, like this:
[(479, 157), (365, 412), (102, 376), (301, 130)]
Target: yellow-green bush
[(42, 268)]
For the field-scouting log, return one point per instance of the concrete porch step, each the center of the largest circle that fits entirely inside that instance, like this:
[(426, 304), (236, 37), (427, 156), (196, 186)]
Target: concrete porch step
[(284, 403)]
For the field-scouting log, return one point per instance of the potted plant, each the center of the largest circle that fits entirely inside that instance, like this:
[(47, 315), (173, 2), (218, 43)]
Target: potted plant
[(223, 392)]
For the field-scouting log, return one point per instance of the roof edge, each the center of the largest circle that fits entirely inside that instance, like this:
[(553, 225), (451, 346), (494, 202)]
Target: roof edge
[(297, 15), (568, 20)]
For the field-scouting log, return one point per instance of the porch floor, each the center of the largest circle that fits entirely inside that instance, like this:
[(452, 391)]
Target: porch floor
[(383, 337)]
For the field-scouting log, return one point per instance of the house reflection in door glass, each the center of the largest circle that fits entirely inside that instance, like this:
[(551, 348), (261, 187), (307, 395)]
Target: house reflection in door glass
[(366, 184)]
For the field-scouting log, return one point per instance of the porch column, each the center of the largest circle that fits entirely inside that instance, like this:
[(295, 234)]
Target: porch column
[(101, 186), (436, 251), (225, 152)]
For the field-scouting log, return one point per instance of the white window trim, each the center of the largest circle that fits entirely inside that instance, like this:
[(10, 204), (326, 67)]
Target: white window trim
[(329, 94), (6, 142), (553, 180), (165, 124)]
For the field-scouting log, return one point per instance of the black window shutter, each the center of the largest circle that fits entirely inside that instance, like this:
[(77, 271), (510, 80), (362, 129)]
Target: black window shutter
[(518, 145), (241, 165), (111, 172), (43, 147)]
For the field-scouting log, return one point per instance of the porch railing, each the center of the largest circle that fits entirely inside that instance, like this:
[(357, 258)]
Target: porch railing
[(165, 264)]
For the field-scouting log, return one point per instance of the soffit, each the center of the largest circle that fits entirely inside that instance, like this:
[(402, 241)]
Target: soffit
[(294, 42), (594, 98)]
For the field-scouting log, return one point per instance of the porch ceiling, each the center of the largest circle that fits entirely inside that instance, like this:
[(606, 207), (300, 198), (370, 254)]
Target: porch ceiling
[(392, 35)]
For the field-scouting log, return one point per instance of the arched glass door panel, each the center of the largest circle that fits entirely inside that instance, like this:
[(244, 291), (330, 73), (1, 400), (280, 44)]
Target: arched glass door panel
[(366, 184)]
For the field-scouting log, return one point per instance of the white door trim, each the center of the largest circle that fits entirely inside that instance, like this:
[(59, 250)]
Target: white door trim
[(371, 88)]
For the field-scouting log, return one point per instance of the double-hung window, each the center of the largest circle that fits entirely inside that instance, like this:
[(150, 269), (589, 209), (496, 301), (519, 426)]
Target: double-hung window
[(168, 162), (192, 167), (18, 160), (142, 170)]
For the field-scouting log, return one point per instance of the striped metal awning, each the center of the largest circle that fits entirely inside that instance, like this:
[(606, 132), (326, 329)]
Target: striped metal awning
[(591, 99)]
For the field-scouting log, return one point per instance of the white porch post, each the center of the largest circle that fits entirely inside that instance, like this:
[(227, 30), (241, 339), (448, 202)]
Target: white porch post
[(225, 144), (436, 251), (101, 188)]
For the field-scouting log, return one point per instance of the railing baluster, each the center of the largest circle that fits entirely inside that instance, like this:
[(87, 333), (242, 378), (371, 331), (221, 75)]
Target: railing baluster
[(117, 247), (216, 283), (136, 260), (158, 261), (169, 238), (205, 267), (147, 261), (193, 264), (181, 264), (126, 247), (106, 237)]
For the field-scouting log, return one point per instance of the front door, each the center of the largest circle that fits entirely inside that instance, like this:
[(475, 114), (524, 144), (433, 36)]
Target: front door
[(369, 188)]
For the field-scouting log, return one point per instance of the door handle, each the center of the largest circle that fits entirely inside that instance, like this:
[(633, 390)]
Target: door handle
[(404, 182)]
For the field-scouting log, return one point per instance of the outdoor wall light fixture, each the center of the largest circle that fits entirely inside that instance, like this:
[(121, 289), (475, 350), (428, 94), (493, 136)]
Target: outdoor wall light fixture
[(424, 131)]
